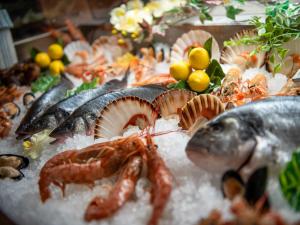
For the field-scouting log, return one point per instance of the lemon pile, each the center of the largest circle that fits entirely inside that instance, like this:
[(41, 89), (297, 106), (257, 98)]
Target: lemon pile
[(193, 70), (55, 53)]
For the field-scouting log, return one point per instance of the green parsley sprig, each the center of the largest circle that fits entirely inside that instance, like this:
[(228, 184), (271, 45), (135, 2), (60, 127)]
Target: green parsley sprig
[(281, 25)]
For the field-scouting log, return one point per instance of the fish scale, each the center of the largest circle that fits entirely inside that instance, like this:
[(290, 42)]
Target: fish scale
[(60, 111), (46, 100), (89, 112)]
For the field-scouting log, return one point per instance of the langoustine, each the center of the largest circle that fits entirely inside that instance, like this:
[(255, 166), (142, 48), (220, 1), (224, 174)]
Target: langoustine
[(124, 155)]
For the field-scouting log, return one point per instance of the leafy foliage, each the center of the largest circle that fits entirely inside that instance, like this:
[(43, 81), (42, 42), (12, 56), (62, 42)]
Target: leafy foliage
[(289, 179), (44, 82), (83, 87), (216, 75), (281, 25), (203, 8)]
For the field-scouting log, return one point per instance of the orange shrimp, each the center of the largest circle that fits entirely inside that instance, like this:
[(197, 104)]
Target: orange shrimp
[(74, 31), (257, 87), (162, 79), (87, 165), (100, 208), (161, 179)]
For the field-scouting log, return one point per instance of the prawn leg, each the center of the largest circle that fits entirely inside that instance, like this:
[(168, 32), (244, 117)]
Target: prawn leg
[(100, 208)]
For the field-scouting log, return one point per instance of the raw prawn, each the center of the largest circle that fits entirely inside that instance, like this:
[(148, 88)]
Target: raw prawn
[(87, 165), (105, 159), (161, 179), (162, 79), (101, 208)]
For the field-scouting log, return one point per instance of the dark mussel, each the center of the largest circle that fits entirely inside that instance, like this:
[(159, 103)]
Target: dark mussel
[(232, 185), (253, 190), (15, 161), (10, 172), (28, 99), (11, 109), (256, 185)]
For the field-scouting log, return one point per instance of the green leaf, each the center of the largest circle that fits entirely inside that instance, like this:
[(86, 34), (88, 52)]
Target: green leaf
[(289, 180), (179, 85), (65, 60), (216, 74), (33, 53), (83, 87), (231, 11), (208, 45), (44, 82)]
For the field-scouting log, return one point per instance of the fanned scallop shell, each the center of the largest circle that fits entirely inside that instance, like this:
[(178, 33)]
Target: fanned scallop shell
[(201, 107), (240, 54), (121, 113), (169, 102), (193, 38), (291, 63), (108, 45), (79, 52)]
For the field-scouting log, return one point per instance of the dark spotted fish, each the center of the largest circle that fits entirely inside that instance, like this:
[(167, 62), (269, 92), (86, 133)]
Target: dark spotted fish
[(57, 113), (49, 98), (258, 133), (83, 119)]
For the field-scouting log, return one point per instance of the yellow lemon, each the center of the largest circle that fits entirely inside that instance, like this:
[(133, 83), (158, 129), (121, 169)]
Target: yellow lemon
[(42, 59), (199, 58), (55, 51), (198, 81), (56, 67), (180, 70)]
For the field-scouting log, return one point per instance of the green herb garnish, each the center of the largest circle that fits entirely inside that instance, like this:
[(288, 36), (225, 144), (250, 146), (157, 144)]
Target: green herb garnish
[(44, 82), (182, 84), (216, 74), (281, 25), (84, 86), (289, 180), (208, 45)]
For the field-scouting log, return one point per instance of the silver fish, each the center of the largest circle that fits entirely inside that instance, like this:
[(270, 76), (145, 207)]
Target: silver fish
[(83, 119), (253, 134), (57, 113), (49, 98)]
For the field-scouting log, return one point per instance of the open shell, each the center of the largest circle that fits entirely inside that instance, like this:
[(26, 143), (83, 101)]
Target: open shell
[(198, 110), (79, 52), (169, 102), (291, 63), (194, 38), (240, 54), (123, 112), (28, 99), (15, 161), (11, 109)]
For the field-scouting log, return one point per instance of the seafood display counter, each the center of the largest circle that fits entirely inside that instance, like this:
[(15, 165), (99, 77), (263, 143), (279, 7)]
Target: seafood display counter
[(149, 121)]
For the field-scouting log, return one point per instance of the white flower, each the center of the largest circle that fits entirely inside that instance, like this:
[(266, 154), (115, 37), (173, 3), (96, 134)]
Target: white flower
[(135, 4), (117, 14)]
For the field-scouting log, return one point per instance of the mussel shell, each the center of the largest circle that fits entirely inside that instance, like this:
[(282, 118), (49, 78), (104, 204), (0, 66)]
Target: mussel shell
[(10, 172), (11, 109), (15, 161), (256, 185), (232, 184), (28, 99)]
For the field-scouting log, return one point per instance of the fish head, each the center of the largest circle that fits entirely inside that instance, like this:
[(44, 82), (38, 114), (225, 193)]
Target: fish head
[(222, 144), (68, 128), (40, 124)]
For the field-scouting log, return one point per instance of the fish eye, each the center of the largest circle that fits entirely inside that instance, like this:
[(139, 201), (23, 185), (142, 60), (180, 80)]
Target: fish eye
[(217, 128)]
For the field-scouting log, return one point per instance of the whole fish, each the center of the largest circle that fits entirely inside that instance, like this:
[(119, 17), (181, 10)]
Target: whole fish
[(258, 133), (57, 113), (49, 98), (83, 118)]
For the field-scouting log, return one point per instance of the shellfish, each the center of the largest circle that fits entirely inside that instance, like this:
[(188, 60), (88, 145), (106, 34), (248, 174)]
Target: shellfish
[(169, 102), (121, 113), (240, 55), (198, 110), (193, 38)]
